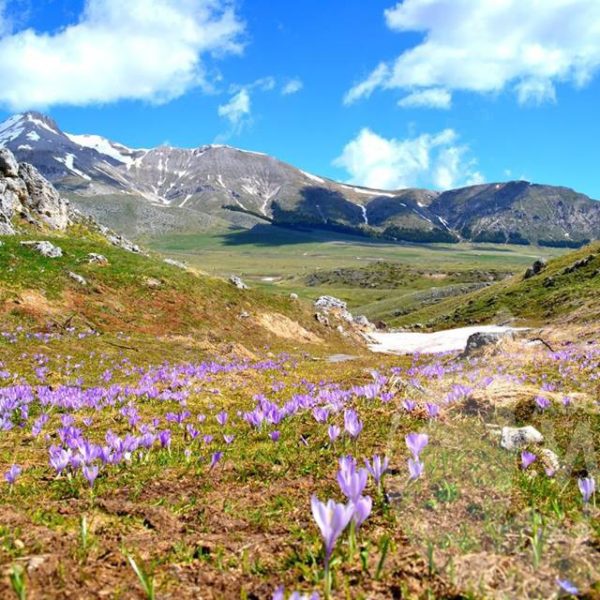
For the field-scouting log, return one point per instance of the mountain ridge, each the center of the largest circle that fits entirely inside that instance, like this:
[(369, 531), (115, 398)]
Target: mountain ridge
[(142, 192)]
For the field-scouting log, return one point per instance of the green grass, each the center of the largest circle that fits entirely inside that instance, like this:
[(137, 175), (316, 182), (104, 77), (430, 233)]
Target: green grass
[(279, 260), (552, 294)]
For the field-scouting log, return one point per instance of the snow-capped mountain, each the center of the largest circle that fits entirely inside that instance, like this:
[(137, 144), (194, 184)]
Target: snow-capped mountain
[(165, 189)]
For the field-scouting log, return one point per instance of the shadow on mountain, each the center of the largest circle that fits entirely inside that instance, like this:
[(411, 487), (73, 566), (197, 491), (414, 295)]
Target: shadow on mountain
[(275, 235)]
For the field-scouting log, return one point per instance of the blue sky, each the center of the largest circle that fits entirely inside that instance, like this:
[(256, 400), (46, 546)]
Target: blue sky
[(433, 93)]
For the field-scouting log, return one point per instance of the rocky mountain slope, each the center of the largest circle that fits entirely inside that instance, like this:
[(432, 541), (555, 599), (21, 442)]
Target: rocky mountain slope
[(155, 191)]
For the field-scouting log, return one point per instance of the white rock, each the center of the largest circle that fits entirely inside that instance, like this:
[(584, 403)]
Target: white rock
[(513, 438), (98, 259), (45, 248), (239, 284), (78, 278)]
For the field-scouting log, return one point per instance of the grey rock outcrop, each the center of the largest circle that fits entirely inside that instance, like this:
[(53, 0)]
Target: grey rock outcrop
[(9, 167), (24, 192)]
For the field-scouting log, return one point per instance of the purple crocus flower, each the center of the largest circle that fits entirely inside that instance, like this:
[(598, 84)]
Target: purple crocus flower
[(12, 474), (90, 472), (331, 518), (433, 410), (275, 435), (59, 459), (377, 467), (222, 418), (415, 468), (164, 437), (347, 464), (409, 405), (415, 442), (279, 594), (542, 403), (320, 414), (334, 432), (216, 457), (352, 423), (587, 487), (527, 459), (352, 483), (567, 586), (362, 509), (228, 438)]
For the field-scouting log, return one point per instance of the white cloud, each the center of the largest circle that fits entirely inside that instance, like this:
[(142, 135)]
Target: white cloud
[(365, 88), (292, 87), (118, 49), (487, 46), (426, 160), (431, 98), (237, 110)]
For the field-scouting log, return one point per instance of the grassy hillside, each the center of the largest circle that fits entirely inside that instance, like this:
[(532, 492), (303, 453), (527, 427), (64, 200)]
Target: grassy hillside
[(141, 294), (567, 289)]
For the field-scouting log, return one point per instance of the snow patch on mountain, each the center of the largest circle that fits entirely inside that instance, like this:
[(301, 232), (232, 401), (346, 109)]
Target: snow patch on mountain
[(120, 153)]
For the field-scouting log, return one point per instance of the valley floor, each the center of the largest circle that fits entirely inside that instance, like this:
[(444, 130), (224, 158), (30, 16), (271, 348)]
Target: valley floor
[(196, 472)]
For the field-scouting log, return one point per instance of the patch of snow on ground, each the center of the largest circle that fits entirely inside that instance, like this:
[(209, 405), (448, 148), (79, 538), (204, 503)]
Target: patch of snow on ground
[(450, 340)]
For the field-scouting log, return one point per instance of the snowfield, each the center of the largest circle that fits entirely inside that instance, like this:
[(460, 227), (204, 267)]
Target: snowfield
[(450, 340)]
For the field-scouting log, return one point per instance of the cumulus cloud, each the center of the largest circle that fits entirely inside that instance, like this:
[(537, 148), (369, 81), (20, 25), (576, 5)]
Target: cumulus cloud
[(487, 46), (118, 50), (437, 160), (292, 87), (237, 110), (432, 98)]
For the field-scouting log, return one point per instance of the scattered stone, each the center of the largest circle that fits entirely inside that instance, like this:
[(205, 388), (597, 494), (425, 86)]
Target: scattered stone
[(513, 438), (176, 263), (152, 282), (293, 296), (549, 282), (97, 259), (535, 269), (244, 314), (45, 248), (238, 283), (579, 264), (481, 339), (550, 460), (78, 278), (118, 240)]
